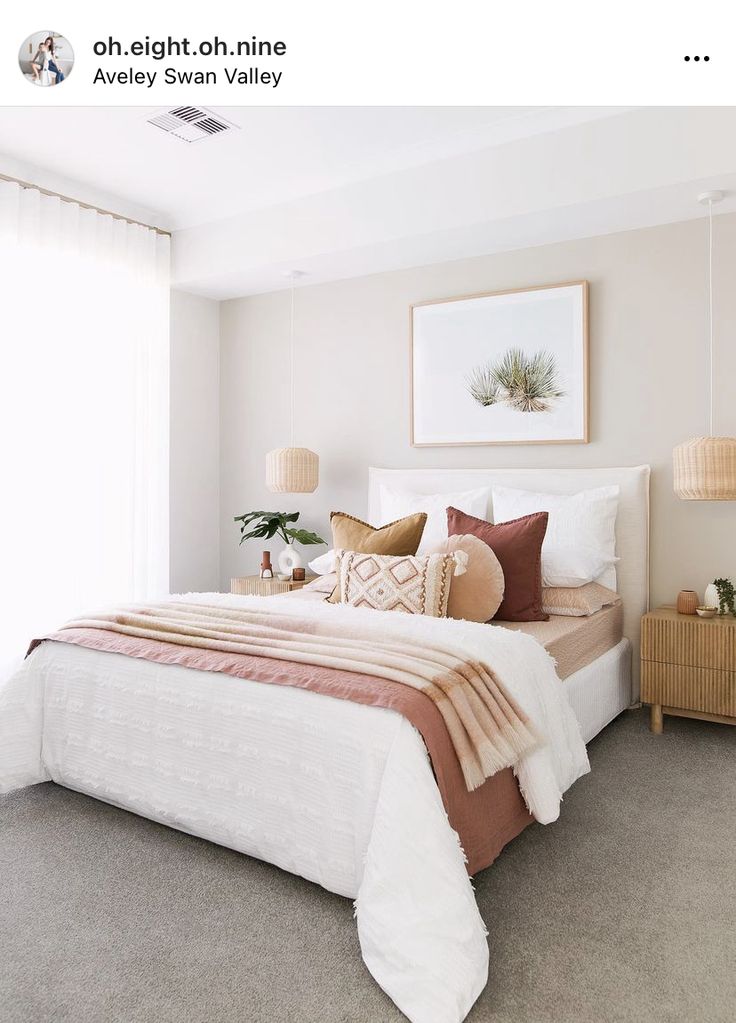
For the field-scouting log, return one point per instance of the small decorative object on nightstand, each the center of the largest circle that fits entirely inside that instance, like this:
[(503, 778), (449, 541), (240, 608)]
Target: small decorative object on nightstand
[(255, 586), (687, 601), (688, 666), (266, 566)]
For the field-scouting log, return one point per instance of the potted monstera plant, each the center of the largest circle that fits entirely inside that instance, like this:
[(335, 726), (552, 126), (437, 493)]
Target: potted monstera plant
[(263, 525)]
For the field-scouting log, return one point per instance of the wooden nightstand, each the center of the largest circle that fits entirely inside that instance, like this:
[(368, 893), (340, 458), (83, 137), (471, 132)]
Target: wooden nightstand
[(688, 666), (253, 585)]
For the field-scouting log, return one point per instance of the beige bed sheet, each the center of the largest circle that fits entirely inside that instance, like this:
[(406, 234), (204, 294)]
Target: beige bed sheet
[(575, 642)]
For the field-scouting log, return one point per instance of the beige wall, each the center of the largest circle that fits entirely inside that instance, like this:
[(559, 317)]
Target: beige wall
[(194, 445), (648, 383)]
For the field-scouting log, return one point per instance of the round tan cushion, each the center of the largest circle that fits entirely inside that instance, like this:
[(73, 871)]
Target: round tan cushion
[(475, 595)]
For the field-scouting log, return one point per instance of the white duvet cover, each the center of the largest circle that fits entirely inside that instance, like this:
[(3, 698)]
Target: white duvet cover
[(339, 793)]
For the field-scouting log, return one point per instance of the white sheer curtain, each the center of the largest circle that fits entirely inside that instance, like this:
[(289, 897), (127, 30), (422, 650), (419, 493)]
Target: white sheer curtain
[(84, 337)]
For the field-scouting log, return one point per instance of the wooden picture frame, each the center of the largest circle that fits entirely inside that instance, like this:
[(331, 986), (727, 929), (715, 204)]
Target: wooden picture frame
[(501, 367)]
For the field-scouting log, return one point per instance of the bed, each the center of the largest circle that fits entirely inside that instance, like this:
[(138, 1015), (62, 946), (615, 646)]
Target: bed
[(337, 791)]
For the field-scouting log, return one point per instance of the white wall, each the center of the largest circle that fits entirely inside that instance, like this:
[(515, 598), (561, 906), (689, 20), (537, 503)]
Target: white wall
[(648, 383), (195, 439)]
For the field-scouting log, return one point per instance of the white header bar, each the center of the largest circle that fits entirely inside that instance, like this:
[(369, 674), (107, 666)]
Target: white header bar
[(393, 52)]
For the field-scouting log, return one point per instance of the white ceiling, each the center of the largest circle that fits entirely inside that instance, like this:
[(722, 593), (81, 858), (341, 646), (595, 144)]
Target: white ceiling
[(346, 191), (276, 155)]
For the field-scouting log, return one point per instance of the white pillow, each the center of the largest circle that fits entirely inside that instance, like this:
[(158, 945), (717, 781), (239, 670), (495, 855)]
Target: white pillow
[(580, 542), (574, 567), (395, 504), (324, 564)]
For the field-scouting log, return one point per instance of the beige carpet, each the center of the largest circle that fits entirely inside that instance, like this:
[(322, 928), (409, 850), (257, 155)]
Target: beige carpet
[(625, 910)]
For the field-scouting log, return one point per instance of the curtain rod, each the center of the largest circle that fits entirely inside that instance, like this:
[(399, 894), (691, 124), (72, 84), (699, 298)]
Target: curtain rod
[(84, 205)]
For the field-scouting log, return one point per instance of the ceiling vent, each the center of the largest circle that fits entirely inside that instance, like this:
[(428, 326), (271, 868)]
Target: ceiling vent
[(191, 124)]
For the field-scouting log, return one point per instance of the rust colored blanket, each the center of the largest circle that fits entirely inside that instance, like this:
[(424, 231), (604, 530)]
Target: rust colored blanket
[(485, 818)]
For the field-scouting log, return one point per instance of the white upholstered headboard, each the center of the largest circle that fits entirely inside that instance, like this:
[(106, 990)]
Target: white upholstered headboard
[(632, 521)]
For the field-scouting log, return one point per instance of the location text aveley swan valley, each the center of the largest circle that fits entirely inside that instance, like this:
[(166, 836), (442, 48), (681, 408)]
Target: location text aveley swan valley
[(173, 76)]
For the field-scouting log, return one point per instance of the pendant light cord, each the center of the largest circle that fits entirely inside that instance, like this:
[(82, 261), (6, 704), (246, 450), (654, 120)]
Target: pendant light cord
[(291, 359), (710, 303)]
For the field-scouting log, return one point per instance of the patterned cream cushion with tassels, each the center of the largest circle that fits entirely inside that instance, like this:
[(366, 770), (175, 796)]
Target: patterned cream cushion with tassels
[(418, 585)]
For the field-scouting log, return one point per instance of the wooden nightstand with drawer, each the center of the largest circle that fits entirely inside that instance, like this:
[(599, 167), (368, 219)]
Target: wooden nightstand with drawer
[(688, 666)]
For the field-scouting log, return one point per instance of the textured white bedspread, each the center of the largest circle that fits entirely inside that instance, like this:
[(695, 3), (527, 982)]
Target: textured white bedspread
[(339, 793)]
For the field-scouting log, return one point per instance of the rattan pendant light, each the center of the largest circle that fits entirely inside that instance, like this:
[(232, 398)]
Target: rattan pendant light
[(292, 470), (705, 467)]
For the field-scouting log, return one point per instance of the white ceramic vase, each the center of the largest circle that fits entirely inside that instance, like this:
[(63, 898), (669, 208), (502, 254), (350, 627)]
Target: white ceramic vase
[(289, 559), (710, 597)]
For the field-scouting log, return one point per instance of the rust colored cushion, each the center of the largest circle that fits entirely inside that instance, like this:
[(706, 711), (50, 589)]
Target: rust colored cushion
[(518, 546)]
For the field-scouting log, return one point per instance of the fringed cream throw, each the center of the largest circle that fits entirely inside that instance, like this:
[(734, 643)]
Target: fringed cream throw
[(487, 728)]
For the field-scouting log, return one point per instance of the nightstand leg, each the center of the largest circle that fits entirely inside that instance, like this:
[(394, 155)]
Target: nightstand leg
[(656, 723)]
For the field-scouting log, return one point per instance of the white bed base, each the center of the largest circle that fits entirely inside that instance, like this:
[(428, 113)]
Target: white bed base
[(600, 691)]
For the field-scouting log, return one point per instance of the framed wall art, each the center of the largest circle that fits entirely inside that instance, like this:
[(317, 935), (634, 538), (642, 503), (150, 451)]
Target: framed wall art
[(509, 367)]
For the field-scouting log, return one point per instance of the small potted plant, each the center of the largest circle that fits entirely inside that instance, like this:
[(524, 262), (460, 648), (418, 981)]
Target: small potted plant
[(265, 524), (726, 596)]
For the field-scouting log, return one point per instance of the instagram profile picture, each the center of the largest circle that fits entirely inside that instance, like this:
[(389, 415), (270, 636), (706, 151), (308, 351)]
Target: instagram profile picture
[(46, 58)]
